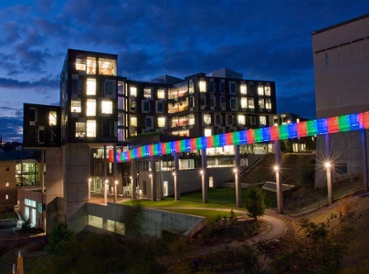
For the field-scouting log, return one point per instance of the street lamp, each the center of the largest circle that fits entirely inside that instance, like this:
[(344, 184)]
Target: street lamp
[(279, 189), (89, 188), (115, 190), (106, 185), (328, 167)]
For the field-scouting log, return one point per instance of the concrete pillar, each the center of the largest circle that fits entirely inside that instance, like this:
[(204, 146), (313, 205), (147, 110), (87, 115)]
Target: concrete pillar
[(277, 169), (105, 178), (364, 159), (153, 178), (237, 181), (133, 178), (177, 192), (115, 173), (328, 165), (204, 176)]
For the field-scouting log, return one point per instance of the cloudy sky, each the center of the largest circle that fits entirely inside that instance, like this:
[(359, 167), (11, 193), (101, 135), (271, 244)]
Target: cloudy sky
[(263, 40)]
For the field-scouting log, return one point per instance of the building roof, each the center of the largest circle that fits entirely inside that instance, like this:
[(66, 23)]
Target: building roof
[(342, 23), (225, 73)]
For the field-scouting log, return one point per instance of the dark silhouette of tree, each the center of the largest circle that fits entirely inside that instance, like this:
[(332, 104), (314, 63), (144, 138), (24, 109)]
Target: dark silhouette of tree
[(255, 204)]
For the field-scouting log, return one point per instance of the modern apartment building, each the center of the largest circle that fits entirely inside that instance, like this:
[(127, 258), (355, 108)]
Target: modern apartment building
[(341, 70), (101, 111)]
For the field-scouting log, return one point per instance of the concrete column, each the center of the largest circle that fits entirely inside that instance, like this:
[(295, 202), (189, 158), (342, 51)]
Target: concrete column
[(277, 168), (105, 178), (133, 178), (177, 192), (204, 176), (115, 173), (364, 159), (328, 165), (153, 179), (237, 181)]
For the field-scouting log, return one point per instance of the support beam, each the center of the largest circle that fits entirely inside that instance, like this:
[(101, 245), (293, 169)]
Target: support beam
[(364, 159), (133, 178), (177, 192), (277, 169), (204, 177), (153, 178), (328, 165), (237, 181)]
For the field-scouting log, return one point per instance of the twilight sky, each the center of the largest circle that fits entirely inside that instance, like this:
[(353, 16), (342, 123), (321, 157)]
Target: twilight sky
[(263, 40)]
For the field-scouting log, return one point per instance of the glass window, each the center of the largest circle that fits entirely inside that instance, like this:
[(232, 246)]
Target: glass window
[(106, 107), (148, 122), (76, 84), (133, 121), (161, 121), (161, 94), (132, 104), (202, 86), (145, 106), (91, 128), (110, 88), (250, 103), (120, 87), (91, 86), (212, 101), (267, 91), (261, 104), (232, 88), (222, 86), (133, 91), (80, 129), (207, 119), (230, 119), (262, 120), (159, 107), (191, 119), (233, 104), (218, 119), (212, 85), (223, 102), (241, 120), (75, 106), (52, 118), (107, 66), (207, 132), (91, 65), (243, 102), (147, 92), (243, 89), (81, 63), (91, 107), (191, 87), (268, 104), (260, 90)]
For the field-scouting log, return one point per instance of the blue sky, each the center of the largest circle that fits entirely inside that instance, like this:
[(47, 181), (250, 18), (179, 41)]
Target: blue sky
[(263, 40)]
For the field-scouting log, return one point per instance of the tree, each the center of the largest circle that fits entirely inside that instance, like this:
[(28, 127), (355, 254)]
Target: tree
[(59, 239), (255, 204)]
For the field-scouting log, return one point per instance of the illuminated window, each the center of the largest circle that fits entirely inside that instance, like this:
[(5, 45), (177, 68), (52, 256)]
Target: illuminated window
[(147, 92), (207, 132), (267, 91), (52, 118), (91, 107), (268, 104), (91, 128), (191, 87), (133, 121), (132, 104), (243, 89), (107, 66), (91, 65), (250, 103), (261, 104), (207, 119), (133, 91), (75, 106), (80, 64), (161, 94), (80, 129), (260, 90), (191, 119), (91, 86), (106, 107), (6, 197), (161, 121), (262, 120), (241, 120), (243, 102), (7, 183), (202, 86)]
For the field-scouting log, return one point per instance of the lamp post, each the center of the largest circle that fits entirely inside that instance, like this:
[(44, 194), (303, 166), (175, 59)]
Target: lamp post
[(328, 167), (89, 188), (279, 189), (106, 183), (115, 190), (237, 187), (176, 198), (204, 187)]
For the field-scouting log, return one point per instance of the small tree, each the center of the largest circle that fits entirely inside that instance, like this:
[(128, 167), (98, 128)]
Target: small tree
[(60, 236), (255, 204)]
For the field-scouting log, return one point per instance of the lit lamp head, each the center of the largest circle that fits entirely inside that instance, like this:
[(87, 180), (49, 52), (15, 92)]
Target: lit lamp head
[(150, 175), (174, 174), (235, 170), (276, 168), (116, 182), (327, 164), (201, 172)]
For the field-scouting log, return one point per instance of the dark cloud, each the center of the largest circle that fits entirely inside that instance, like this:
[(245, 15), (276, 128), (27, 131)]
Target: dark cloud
[(42, 83)]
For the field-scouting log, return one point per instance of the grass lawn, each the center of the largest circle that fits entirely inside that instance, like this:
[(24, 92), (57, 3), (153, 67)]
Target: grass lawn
[(217, 199)]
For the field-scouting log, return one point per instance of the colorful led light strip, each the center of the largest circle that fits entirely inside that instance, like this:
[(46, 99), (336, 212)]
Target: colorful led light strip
[(329, 125)]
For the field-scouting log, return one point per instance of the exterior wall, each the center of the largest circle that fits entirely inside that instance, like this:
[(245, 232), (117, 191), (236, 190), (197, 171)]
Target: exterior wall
[(35, 195), (341, 55), (8, 194)]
